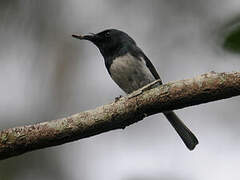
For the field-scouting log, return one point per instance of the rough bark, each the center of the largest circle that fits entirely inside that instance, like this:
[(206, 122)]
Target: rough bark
[(121, 113)]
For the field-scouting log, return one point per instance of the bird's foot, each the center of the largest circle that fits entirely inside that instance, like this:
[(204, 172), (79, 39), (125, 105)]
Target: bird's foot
[(151, 85), (145, 88), (117, 98)]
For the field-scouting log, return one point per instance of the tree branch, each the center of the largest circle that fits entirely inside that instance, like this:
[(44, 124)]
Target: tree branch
[(125, 111)]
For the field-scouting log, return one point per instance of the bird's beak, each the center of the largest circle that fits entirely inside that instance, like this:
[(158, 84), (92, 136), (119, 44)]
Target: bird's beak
[(89, 36)]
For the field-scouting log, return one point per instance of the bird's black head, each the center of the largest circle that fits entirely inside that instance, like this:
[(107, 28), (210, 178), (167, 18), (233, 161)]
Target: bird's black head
[(111, 42)]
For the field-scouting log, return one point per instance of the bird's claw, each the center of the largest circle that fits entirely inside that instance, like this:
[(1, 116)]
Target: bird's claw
[(117, 98)]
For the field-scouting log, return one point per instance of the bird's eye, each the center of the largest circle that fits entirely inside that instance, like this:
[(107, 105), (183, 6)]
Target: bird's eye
[(107, 34)]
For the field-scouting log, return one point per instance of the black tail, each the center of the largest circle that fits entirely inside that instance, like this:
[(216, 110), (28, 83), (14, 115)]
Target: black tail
[(186, 135)]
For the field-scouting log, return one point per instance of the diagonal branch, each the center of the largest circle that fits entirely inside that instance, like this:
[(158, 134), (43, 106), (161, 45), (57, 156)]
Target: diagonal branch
[(125, 111)]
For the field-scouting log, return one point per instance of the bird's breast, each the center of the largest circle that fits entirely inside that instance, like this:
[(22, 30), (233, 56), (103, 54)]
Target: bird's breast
[(130, 73)]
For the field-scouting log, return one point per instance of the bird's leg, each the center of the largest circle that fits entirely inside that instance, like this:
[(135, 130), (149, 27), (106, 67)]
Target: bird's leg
[(150, 85), (118, 97), (144, 88)]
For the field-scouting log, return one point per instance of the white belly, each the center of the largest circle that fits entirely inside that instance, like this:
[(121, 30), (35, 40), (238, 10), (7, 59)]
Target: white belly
[(130, 74)]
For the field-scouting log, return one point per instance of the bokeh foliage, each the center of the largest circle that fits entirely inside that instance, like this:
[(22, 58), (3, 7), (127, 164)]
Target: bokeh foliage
[(231, 41)]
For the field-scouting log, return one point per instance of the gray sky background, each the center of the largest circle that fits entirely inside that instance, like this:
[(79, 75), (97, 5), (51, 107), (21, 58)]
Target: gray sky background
[(45, 74)]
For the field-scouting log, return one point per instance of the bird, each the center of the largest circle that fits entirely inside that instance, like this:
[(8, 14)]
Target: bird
[(131, 69)]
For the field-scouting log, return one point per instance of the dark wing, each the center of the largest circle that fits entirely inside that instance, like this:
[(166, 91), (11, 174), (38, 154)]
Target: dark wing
[(151, 67), (138, 53)]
